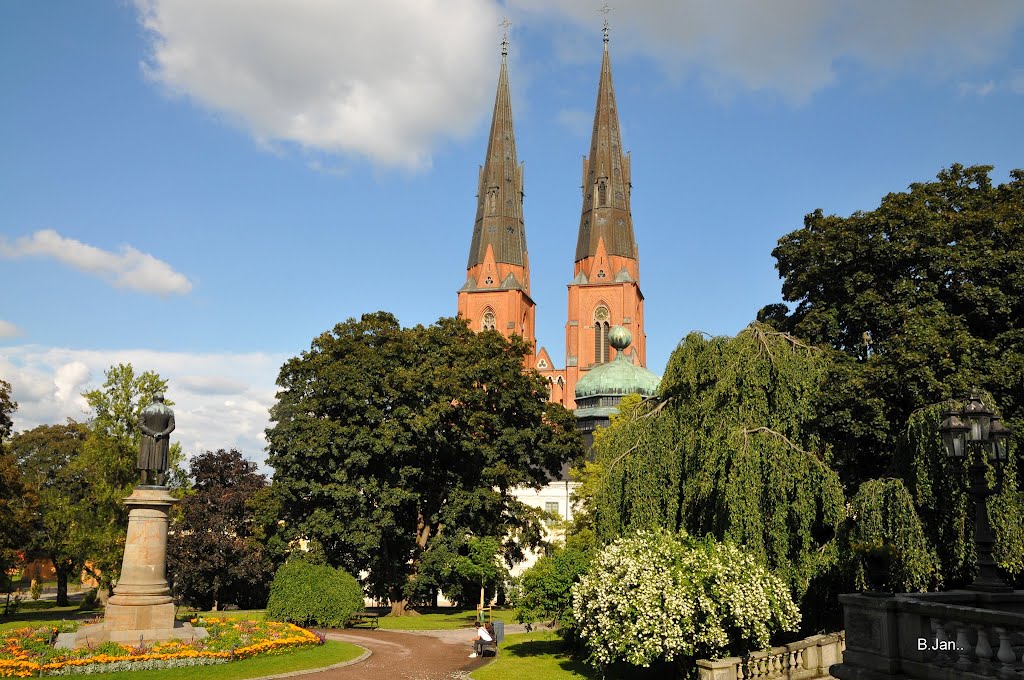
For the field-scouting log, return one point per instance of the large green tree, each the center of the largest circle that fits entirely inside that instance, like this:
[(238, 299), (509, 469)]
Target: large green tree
[(7, 408), (108, 462), (728, 449), (15, 499), (212, 554), (47, 456), (387, 438), (922, 298)]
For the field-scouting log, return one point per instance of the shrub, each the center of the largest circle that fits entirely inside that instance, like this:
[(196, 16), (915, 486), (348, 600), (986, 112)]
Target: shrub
[(884, 523), (313, 594), (657, 596), (544, 591)]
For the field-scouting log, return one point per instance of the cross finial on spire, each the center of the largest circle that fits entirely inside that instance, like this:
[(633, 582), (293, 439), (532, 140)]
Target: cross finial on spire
[(505, 23), (604, 10)]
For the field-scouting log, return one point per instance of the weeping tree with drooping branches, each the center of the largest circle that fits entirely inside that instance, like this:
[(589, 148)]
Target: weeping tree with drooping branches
[(728, 448), (939, 485), (883, 519)]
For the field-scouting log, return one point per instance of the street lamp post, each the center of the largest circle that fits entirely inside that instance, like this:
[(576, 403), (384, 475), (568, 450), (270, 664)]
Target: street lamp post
[(975, 431)]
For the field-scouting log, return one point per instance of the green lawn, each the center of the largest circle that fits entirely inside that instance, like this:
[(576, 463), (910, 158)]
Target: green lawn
[(447, 618), (539, 655), (187, 614), (42, 617)]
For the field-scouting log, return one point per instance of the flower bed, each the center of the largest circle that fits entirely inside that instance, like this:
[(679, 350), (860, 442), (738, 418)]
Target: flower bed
[(29, 652)]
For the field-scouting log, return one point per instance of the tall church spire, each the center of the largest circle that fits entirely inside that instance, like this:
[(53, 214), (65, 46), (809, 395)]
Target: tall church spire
[(496, 295), (605, 290), (606, 180), (499, 213)]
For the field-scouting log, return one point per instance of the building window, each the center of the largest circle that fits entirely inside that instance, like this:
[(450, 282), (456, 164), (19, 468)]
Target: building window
[(602, 193), (489, 323), (551, 507), (542, 364), (601, 328)]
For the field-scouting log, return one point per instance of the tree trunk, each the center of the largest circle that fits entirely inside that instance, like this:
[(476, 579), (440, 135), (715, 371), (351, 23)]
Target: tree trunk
[(63, 569), (401, 608)]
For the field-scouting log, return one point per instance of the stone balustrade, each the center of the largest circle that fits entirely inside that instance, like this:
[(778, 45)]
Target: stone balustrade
[(804, 660), (957, 635)]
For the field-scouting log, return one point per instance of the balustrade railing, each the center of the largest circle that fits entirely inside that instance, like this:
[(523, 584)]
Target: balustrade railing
[(957, 635), (803, 660), (970, 641)]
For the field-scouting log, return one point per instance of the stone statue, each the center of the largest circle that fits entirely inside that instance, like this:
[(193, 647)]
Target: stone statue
[(156, 422)]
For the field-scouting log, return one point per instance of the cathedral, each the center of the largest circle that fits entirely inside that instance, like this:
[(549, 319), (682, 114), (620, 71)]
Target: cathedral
[(605, 342), (604, 287)]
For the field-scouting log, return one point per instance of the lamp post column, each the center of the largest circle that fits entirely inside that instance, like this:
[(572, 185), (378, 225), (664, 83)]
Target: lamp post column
[(988, 578)]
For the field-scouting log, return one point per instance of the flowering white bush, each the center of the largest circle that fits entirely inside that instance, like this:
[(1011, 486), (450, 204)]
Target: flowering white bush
[(661, 596)]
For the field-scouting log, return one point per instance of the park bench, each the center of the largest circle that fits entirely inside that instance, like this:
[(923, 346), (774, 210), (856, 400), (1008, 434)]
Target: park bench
[(498, 636), (359, 618)]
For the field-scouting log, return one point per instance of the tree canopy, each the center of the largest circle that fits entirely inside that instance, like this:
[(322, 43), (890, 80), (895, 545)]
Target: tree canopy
[(14, 499), (108, 461), (212, 555), (386, 438), (48, 457), (922, 298), (728, 449)]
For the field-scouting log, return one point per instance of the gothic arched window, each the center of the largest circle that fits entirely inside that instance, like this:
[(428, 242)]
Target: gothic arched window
[(489, 323), (601, 328)]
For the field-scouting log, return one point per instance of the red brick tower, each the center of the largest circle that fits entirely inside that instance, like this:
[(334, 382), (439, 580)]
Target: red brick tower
[(496, 294), (605, 290)]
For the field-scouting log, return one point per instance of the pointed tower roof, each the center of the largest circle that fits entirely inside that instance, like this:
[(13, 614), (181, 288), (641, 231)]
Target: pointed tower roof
[(606, 178), (499, 213)]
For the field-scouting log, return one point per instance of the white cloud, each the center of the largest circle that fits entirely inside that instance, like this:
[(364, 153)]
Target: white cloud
[(379, 79), (9, 330), (128, 269), (978, 89), (794, 46), (211, 384), (47, 383)]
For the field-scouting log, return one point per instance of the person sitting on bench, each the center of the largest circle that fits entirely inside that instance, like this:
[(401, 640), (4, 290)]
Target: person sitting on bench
[(482, 636)]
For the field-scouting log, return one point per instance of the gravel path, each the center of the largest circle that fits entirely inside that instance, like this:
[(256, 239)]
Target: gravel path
[(406, 655)]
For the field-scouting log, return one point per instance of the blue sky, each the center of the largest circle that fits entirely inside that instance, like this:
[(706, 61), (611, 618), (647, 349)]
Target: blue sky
[(201, 187)]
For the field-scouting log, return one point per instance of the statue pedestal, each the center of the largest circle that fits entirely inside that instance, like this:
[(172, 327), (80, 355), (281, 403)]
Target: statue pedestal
[(141, 606)]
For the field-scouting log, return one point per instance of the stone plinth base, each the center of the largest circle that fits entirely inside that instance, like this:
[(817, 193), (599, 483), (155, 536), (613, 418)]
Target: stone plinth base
[(132, 618), (141, 606), (98, 633)]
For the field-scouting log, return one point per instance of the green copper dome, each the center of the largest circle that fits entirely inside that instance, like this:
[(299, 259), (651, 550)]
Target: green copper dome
[(620, 376)]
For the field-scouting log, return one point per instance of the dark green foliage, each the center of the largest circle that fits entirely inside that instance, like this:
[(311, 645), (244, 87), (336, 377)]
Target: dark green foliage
[(48, 457), (14, 503), (386, 439), (213, 556), (543, 592), (883, 516), (313, 595), (923, 297), (7, 408), (728, 450), (939, 485), (459, 567)]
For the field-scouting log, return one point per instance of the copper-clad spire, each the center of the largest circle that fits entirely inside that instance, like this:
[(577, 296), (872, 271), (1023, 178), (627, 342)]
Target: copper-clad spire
[(606, 178), (499, 213)]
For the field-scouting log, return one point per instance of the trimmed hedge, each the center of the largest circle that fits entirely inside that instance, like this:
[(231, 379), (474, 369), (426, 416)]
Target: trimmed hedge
[(313, 595)]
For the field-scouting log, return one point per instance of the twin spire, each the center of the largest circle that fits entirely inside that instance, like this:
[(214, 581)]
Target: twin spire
[(606, 211)]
